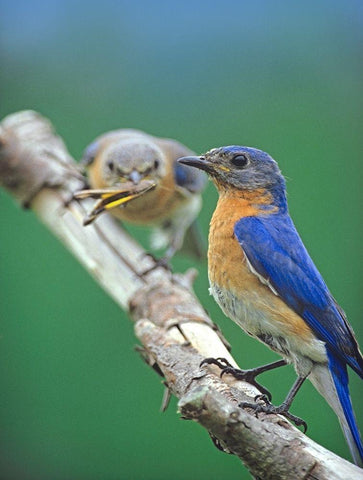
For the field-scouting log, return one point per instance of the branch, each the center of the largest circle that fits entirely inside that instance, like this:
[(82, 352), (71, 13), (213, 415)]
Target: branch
[(175, 332)]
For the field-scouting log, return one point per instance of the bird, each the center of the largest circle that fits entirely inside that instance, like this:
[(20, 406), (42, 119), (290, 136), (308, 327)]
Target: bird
[(263, 278), (125, 156)]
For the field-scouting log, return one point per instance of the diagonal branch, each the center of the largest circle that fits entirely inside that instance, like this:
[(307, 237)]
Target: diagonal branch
[(175, 332)]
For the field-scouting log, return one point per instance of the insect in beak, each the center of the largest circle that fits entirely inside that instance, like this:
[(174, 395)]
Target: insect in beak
[(109, 198)]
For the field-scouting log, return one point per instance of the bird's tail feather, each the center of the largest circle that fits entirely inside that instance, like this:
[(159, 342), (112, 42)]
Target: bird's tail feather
[(332, 383)]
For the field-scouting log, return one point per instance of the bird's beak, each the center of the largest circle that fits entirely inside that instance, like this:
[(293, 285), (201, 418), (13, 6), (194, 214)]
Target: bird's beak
[(110, 198), (197, 162), (135, 177)]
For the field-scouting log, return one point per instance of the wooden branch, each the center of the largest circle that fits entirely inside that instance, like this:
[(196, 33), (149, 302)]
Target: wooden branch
[(175, 332)]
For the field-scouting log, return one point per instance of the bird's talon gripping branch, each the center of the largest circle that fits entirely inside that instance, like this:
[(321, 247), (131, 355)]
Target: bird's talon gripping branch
[(148, 255), (220, 362), (159, 263), (262, 398), (245, 375), (268, 408)]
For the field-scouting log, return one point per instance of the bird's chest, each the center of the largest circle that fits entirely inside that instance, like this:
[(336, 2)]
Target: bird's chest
[(232, 284), (227, 266), (151, 208), (227, 274), (244, 298)]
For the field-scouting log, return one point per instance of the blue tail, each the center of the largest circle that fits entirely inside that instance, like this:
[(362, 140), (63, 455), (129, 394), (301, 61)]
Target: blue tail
[(339, 373)]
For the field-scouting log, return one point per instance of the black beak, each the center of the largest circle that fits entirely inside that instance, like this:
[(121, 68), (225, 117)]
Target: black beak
[(197, 162)]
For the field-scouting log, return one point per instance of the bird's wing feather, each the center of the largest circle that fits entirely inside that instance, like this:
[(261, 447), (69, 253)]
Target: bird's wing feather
[(188, 178), (276, 252)]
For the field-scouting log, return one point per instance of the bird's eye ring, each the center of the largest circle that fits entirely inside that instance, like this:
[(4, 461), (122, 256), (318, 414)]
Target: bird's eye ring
[(240, 161)]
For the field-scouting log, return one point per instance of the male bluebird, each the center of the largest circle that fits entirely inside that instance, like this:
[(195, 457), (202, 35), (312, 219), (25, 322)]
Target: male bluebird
[(263, 278), (171, 207)]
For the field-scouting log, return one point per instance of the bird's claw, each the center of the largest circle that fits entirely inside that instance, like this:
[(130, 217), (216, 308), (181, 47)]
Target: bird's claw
[(267, 407), (262, 398), (248, 376), (221, 362), (162, 262)]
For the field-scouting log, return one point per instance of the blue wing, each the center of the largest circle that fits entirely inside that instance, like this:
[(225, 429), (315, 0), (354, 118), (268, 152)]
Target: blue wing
[(90, 153), (190, 178), (276, 252)]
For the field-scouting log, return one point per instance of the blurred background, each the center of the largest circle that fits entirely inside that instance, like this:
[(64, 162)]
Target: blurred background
[(76, 401)]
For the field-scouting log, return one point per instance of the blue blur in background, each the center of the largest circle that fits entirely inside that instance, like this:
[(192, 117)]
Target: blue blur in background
[(76, 401)]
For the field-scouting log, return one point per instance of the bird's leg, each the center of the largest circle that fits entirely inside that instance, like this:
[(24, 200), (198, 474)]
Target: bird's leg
[(165, 259), (246, 375), (282, 409), (174, 245), (162, 262), (176, 236)]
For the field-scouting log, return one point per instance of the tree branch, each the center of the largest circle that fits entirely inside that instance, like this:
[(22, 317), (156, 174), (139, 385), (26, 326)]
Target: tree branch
[(175, 332)]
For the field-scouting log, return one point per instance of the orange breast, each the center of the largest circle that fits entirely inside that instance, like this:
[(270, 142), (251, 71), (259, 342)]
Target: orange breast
[(227, 263), (153, 207), (228, 269)]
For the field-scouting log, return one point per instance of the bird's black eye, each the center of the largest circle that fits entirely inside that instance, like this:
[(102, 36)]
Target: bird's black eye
[(240, 160), (110, 165), (156, 164)]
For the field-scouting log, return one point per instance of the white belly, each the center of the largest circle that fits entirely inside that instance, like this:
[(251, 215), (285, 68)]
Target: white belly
[(257, 323)]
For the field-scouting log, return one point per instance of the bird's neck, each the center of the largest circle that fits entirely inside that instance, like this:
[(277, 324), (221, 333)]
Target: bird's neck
[(234, 204), (260, 201), (244, 203)]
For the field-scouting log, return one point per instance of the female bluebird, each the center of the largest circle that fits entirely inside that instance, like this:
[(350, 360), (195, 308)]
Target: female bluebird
[(128, 155), (263, 278)]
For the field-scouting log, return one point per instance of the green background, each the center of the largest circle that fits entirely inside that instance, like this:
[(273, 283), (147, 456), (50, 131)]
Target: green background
[(76, 401)]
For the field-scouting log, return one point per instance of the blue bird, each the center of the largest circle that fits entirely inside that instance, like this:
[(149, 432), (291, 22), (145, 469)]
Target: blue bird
[(263, 278), (126, 155)]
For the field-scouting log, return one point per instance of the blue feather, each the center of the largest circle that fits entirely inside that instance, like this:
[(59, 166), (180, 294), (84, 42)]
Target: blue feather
[(189, 178), (90, 153), (277, 253), (339, 373)]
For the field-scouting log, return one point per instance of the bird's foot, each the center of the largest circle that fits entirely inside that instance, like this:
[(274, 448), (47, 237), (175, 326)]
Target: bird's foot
[(245, 375), (162, 262), (262, 404)]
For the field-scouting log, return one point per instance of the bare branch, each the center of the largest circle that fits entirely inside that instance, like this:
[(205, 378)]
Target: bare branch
[(172, 326)]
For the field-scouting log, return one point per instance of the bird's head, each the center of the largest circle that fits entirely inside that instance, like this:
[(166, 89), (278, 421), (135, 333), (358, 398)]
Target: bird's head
[(132, 160), (242, 169)]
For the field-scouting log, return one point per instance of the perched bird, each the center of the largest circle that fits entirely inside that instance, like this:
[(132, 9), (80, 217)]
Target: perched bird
[(170, 208), (263, 278)]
